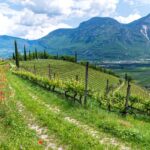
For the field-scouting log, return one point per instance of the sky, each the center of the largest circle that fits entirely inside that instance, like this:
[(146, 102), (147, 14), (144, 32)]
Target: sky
[(33, 19)]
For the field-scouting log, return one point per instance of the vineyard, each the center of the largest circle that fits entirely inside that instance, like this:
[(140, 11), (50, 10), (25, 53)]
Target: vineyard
[(70, 77), (83, 88), (67, 70), (36, 118)]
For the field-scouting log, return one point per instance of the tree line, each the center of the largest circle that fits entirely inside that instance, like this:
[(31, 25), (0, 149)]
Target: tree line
[(31, 55)]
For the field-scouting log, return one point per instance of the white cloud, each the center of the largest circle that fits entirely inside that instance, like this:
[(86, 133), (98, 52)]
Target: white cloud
[(142, 1), (35, 18), (129, 18), (130, 2), (69, 7), (26, 23), (137, 2)]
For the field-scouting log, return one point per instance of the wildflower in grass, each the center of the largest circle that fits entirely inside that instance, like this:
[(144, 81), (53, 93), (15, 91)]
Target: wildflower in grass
[(2, 95), (40, 142)]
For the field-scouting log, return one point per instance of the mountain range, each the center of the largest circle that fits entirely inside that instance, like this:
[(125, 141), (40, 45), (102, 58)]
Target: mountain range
[(100, 38)]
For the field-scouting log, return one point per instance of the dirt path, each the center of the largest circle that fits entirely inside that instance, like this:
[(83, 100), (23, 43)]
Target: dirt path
[(49, 142), (86, 128), (123, 83)]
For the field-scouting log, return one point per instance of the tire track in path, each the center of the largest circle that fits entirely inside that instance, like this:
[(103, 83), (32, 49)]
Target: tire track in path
[(86, 128), (49, 142)]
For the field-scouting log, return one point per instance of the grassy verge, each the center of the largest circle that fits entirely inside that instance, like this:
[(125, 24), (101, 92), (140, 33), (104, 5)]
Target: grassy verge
[(14, 131), (128, 129), (67, 133)]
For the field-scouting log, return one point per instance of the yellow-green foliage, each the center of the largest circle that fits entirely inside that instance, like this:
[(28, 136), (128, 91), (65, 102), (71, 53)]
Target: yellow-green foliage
[(115, 98), (68, 85), (65, 75), (136, 91), (68, 70)]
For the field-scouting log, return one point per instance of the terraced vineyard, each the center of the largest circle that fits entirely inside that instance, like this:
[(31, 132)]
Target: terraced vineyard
[(136, 91), (97, 79), (67, 70)]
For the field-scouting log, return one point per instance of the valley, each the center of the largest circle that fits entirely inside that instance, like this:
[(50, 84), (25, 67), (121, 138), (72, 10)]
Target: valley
[(138, 70)]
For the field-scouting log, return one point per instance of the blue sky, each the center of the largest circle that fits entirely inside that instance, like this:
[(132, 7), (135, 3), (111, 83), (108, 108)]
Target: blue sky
[(33, 19)]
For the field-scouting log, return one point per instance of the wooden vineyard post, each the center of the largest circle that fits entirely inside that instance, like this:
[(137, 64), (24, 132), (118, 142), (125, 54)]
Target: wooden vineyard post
[(106, 94), (34, 70), (49, 71), (107, 88), (127, 98), (86, 83)]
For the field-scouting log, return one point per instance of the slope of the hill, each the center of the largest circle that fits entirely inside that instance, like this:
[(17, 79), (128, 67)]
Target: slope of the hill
[(52, 122), (68, 70)]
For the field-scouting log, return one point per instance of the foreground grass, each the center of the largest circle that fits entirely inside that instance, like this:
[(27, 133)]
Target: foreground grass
[(14, 131), (130, 130), (67, 133)]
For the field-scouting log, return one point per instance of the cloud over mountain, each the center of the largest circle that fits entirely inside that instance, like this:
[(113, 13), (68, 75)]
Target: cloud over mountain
[(33, 19)]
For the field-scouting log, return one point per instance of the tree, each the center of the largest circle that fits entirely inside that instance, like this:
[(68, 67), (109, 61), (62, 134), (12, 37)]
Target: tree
[(36, 54), (13, 56), (29, 55), (45, 54), (16, 54), (33, 55), (25, 53)]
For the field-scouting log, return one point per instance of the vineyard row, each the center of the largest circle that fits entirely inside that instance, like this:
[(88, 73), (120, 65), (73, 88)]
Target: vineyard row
[(75, 90)]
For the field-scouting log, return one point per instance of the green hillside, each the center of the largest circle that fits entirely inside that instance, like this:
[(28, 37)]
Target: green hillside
[(34, 118), (68, 70)]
